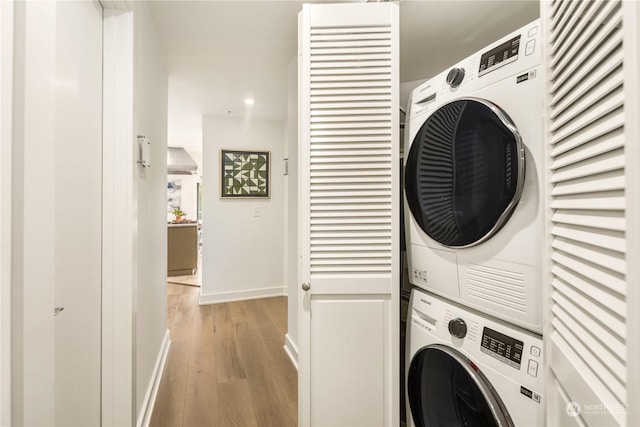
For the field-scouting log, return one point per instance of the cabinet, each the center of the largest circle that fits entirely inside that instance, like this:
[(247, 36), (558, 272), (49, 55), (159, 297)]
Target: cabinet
[(182, 249)]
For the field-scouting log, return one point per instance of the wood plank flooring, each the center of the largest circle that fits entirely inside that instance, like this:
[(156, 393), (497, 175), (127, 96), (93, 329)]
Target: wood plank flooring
[(226, 365)]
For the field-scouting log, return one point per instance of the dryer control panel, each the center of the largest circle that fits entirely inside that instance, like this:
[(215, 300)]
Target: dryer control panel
[(499, 56), (514, 57)]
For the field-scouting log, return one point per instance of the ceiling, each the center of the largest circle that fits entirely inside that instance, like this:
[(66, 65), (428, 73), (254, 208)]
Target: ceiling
[(220, 52)]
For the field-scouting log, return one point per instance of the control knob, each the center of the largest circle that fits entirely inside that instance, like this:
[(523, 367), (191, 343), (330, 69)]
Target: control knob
[(455, 77), (458, 328)]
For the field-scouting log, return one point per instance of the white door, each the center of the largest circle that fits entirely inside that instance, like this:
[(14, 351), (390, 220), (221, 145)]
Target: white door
[(78, 212), (593, 197), (56, 213), (348, 104)]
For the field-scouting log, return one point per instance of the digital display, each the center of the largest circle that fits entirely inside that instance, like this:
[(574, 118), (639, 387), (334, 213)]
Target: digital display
[(502, 347), (505, 53)]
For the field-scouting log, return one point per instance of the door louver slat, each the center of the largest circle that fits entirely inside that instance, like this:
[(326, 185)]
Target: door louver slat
[(609, 123), (611, 200), (572, 94), (567, 22), (593, 148), (350, 146), (558, 9), (587, 98), (591, 62), (592, 28), (586, 148), (578, 335), (605, 220)]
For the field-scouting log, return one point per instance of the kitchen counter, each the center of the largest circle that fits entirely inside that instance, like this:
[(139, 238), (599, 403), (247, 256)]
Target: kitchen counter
[(182, 249)]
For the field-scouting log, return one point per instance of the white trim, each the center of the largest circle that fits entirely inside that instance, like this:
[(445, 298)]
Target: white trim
[(215, 298), (6, 100), (631, 37), (118, 368), (304, 325), (292, 350), (553, 389), (154, 383)]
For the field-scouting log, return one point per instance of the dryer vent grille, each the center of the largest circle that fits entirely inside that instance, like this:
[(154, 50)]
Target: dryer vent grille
[(350, 122), (502, 287)]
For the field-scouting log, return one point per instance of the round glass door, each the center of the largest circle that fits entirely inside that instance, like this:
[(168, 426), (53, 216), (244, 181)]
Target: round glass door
[(464, 172), (445, 389)]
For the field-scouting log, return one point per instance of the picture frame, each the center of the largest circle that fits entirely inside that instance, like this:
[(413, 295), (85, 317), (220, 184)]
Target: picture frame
[(245, 174)]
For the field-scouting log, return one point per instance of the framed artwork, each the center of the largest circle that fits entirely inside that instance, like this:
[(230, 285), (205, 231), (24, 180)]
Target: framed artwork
[(245, 174), (174, 194)]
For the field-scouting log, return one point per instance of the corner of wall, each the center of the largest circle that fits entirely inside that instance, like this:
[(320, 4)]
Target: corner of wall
[(144, 415), (292, 350)]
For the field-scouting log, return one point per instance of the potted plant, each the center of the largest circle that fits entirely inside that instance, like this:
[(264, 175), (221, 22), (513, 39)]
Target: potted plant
[(178, 214)]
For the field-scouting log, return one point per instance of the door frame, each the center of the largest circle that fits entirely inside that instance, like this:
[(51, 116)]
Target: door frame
[(118, 228)]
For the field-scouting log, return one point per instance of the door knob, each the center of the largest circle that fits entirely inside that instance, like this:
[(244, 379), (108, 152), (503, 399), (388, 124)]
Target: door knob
[(306, 286)]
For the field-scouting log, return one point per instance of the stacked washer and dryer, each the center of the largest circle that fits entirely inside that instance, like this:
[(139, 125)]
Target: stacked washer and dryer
[(474, 230)]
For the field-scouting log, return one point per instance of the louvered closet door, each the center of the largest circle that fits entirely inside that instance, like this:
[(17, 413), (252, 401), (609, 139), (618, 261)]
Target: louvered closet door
[(349, 215), (589, 339)]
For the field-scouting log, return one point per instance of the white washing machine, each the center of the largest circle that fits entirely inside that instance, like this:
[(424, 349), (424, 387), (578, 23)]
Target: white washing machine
[(466, 369), (473, 181)]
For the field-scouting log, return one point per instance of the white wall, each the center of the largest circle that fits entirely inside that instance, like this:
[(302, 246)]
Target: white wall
[(291, 210), (150, 119), (6, 97), (242, 254)]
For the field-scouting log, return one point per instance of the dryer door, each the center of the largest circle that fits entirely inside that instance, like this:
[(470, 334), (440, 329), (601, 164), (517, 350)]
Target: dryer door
[(446, 389), (465, 172)]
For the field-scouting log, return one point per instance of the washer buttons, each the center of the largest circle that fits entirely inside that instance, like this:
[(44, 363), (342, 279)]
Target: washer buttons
[(535, 351), (533, 368), (533, 31), (530, 47)]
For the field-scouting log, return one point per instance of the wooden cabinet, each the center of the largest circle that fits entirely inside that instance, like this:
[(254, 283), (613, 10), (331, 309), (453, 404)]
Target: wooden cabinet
[(182, 249)]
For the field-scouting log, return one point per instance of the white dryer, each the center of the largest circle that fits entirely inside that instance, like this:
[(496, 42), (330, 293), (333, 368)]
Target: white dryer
[(473, 181), (466, 369)]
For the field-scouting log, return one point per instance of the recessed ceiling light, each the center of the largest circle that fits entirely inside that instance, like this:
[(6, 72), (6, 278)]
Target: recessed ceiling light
[(249, 101)]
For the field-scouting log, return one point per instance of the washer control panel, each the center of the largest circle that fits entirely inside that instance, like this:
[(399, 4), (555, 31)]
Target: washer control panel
[(503, 347)]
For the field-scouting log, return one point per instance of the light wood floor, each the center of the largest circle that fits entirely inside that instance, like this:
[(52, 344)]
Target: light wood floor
[(226, 364)]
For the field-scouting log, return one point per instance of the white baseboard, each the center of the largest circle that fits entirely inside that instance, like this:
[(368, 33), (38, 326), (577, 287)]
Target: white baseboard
[(291, 349), (144, 417), (242, 295)]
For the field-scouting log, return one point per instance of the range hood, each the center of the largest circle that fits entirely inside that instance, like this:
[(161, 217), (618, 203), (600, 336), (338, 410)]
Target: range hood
[(179, 162)]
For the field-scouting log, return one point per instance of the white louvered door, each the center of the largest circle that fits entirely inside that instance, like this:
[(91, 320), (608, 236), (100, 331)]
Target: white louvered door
[(592, 161), (349, 337)]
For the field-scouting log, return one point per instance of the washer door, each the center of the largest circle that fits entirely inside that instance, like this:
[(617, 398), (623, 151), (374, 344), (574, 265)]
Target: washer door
[(446, 389), (465, 172)]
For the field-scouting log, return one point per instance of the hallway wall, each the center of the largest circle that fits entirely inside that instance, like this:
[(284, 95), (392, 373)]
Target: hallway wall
[(242, 254), (150, 119)]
